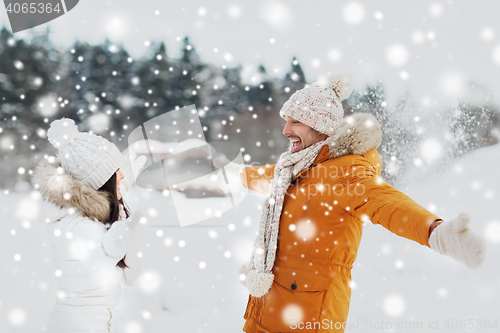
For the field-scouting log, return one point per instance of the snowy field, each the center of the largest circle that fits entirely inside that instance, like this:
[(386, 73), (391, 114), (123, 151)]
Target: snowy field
[(190, 284)]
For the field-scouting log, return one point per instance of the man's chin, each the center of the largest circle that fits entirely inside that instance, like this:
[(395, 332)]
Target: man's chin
[(290, 149)]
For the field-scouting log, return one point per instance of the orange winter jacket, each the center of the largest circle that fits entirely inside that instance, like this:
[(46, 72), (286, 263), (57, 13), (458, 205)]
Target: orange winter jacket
[(320, 230)]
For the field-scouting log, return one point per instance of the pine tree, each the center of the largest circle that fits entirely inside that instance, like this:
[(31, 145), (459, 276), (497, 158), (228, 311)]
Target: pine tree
[(27, 74), (261, 96), (223, 98), (95, 85), (185, 80), (295, 79), (154, 90)]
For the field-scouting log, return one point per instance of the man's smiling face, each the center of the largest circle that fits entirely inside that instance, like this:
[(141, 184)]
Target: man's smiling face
[(301, 136)]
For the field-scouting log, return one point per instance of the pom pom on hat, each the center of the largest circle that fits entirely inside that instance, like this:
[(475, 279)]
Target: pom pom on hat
[(62, 132), (341, 85)]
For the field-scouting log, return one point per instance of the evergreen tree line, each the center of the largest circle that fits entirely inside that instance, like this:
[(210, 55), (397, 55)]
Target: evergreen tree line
[(104, 90)]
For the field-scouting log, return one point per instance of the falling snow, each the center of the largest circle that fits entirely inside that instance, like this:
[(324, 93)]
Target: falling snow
[(439, 126)]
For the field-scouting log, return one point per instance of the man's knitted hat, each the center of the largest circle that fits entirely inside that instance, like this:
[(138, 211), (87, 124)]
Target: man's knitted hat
[(89, 158), (319, 105)]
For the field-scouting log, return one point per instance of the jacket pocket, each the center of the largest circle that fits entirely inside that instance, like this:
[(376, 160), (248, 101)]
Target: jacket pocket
[(250, 305), (295, 301)]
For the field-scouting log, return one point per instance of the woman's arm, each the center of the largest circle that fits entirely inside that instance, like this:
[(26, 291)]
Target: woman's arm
[(97, 247), (134, 266)]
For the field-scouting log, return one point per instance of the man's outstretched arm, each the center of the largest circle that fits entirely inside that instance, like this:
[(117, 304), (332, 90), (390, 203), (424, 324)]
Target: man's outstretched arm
[(382, 204), (258, 178)]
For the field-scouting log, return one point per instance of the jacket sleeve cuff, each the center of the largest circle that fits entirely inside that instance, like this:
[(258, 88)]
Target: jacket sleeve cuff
[(434, 225)]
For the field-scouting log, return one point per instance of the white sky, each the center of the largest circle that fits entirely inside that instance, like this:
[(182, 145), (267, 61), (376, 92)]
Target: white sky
[(431, 48)]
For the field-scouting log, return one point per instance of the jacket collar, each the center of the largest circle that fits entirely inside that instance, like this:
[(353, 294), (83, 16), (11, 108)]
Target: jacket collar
[(358, 133), (63, 190)]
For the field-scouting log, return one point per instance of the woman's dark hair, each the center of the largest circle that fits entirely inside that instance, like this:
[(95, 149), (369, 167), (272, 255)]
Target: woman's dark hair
[(114, 208)]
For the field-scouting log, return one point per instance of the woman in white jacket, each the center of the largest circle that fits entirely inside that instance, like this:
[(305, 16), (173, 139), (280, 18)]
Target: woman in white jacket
[(91, 238)]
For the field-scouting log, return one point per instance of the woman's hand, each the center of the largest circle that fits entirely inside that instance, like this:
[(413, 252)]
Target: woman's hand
[(120, 235)]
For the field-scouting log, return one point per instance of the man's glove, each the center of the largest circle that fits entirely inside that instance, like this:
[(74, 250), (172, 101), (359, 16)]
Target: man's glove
[(232, 174), (455, 239)]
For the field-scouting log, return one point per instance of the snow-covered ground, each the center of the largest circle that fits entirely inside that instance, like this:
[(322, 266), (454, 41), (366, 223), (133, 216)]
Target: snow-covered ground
[(190, 283)]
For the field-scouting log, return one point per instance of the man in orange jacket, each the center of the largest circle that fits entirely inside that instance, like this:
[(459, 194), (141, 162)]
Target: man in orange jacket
[(319, 195)]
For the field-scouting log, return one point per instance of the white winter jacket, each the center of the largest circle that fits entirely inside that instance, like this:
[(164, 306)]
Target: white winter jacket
[(85, 254)]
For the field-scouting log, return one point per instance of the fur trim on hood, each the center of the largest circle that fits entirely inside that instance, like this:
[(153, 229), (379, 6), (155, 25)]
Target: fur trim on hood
[(63, 190), (357, 134)]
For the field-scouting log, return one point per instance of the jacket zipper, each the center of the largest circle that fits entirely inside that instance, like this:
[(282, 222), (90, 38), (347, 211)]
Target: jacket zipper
[(109, 322)]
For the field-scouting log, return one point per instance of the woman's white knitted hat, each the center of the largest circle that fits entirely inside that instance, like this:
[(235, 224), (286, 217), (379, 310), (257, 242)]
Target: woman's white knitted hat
[(318, 105), (87, 157)]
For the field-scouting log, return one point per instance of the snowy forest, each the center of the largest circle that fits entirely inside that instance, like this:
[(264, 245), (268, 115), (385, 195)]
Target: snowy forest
[(108, 92)]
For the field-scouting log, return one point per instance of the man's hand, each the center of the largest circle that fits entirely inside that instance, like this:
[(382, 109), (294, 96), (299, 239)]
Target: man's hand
[(455, 239), (232, 173)]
